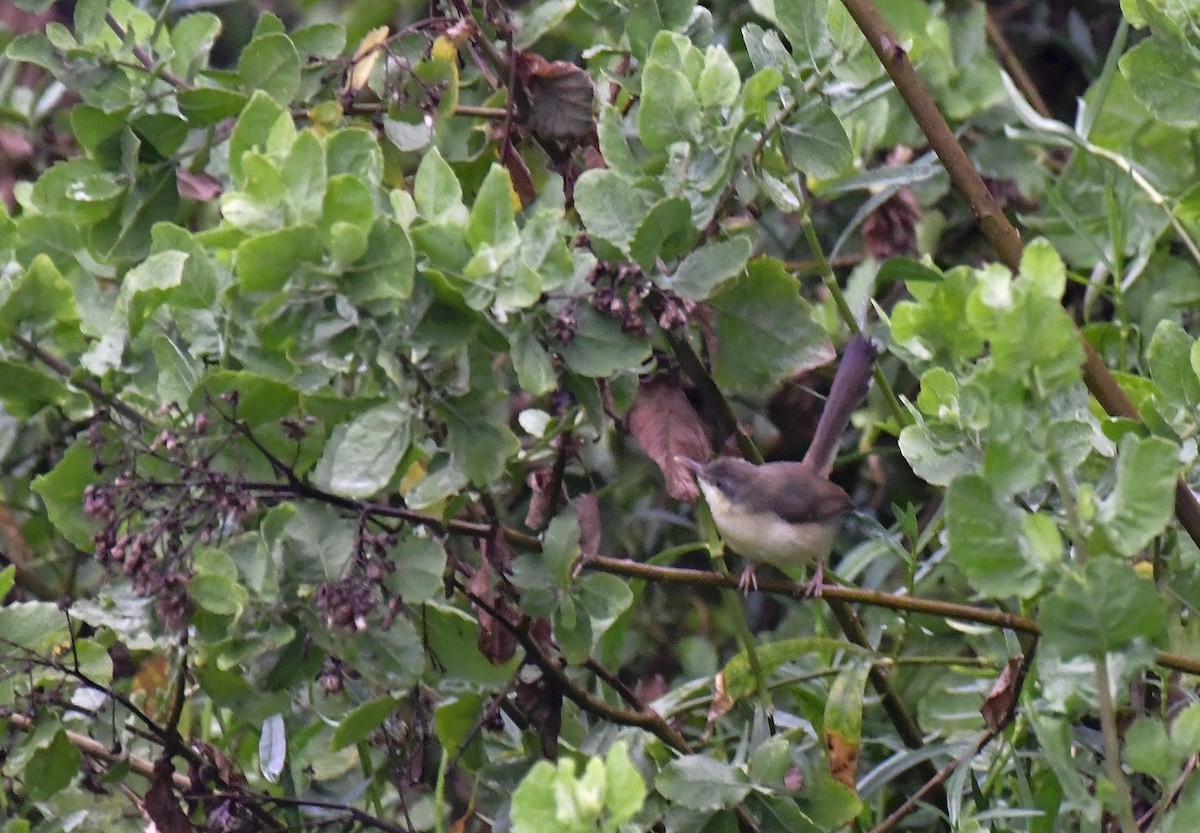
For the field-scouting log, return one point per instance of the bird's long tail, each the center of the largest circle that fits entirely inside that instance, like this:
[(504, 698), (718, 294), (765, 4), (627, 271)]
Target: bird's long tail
[(849, 387)]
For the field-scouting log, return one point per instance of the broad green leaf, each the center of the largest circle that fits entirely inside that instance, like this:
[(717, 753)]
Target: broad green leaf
[(192, 39), (614, 146), (701, 782), (437, 192), (1147, 750), (355, 151), (669, 111), (421, 563), (600, 349), (259, 121), (363, 720), (1142, 501), (987, 541), (720, 82), (219, 594), (36, 627), (25, 391), (665, 233), (322, 541), (257, 399), (149, 284), (815, 141), (540, 19), (766, 330), (802, 23), (477, 438), (610, 207), (1166, 80), (365, 459), (1100, 608), (51, 768), (844, 705), (303, 174), (1171, 368), (61, 490), (706, 268), (535, 373), (320, 40), (386, 270), (270, 64), (204, 106), (8, 577), (265, 262), (493, 218), (78, 189), (644, 21)]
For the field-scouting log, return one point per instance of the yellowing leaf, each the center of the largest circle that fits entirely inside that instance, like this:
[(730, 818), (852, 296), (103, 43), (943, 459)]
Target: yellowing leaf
[(365, 57)]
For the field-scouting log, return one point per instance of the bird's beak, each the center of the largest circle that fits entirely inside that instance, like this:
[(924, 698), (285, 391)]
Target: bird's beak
[(696, 467)]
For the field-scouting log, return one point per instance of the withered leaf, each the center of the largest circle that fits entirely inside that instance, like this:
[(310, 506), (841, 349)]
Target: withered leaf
[(554, 98), (495, 641), (843, 758), (587, 510), (667, 427), (161, 806), (199, 187), (999, 702)]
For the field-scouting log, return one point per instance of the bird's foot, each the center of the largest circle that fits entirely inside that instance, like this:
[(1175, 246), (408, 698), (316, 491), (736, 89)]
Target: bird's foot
[(748, 580), (817, 585)]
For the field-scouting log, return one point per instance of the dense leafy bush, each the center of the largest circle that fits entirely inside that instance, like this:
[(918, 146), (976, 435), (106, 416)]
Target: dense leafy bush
[(345, 371)]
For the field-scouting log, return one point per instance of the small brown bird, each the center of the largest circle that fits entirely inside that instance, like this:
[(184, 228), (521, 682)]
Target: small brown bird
[(777, 513), (788, 513)]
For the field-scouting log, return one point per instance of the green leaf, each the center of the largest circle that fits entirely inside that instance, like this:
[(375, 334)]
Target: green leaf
[(260, 399), (386, 270), (261, 119), (61, 490), (265, 262), (816, 142), (437, 192), (33, 626), (614, 146), (8, 578), (272, 747), (535, 373), (1171, 368), (669, 110), (1165, 79), (51, 768), (205, 106), (79, 189), (701, 782), (303, 174), (321, 540), (1142, 501), (802, 23), (540, 19), (707, 267), (479, 437), (365, 459), (421, 565), (844, 705), (665, 233), (624, 790), (610, 207), (720, 82), (644, 21), (320, 40), (493, 219), (988, 542), (26, 391), (1148, 751), (599, 348), (270, 64), (767, 332), (1101, 608), (363, 720)]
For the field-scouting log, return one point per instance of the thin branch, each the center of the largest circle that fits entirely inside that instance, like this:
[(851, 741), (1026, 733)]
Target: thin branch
[(856, 595)]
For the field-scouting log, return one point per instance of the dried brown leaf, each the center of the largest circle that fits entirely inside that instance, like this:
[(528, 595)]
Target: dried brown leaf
[(587, 510), (999, 702), (554, 97), (667, 427), (843, 758), (161, 806), (199, 187)]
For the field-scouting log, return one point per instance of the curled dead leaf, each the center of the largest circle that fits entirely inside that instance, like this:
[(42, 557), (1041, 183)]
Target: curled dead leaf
[(667, 427), (554, 98)]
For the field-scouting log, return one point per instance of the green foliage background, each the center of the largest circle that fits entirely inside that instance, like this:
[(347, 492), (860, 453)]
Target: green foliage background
[(317, 379)]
